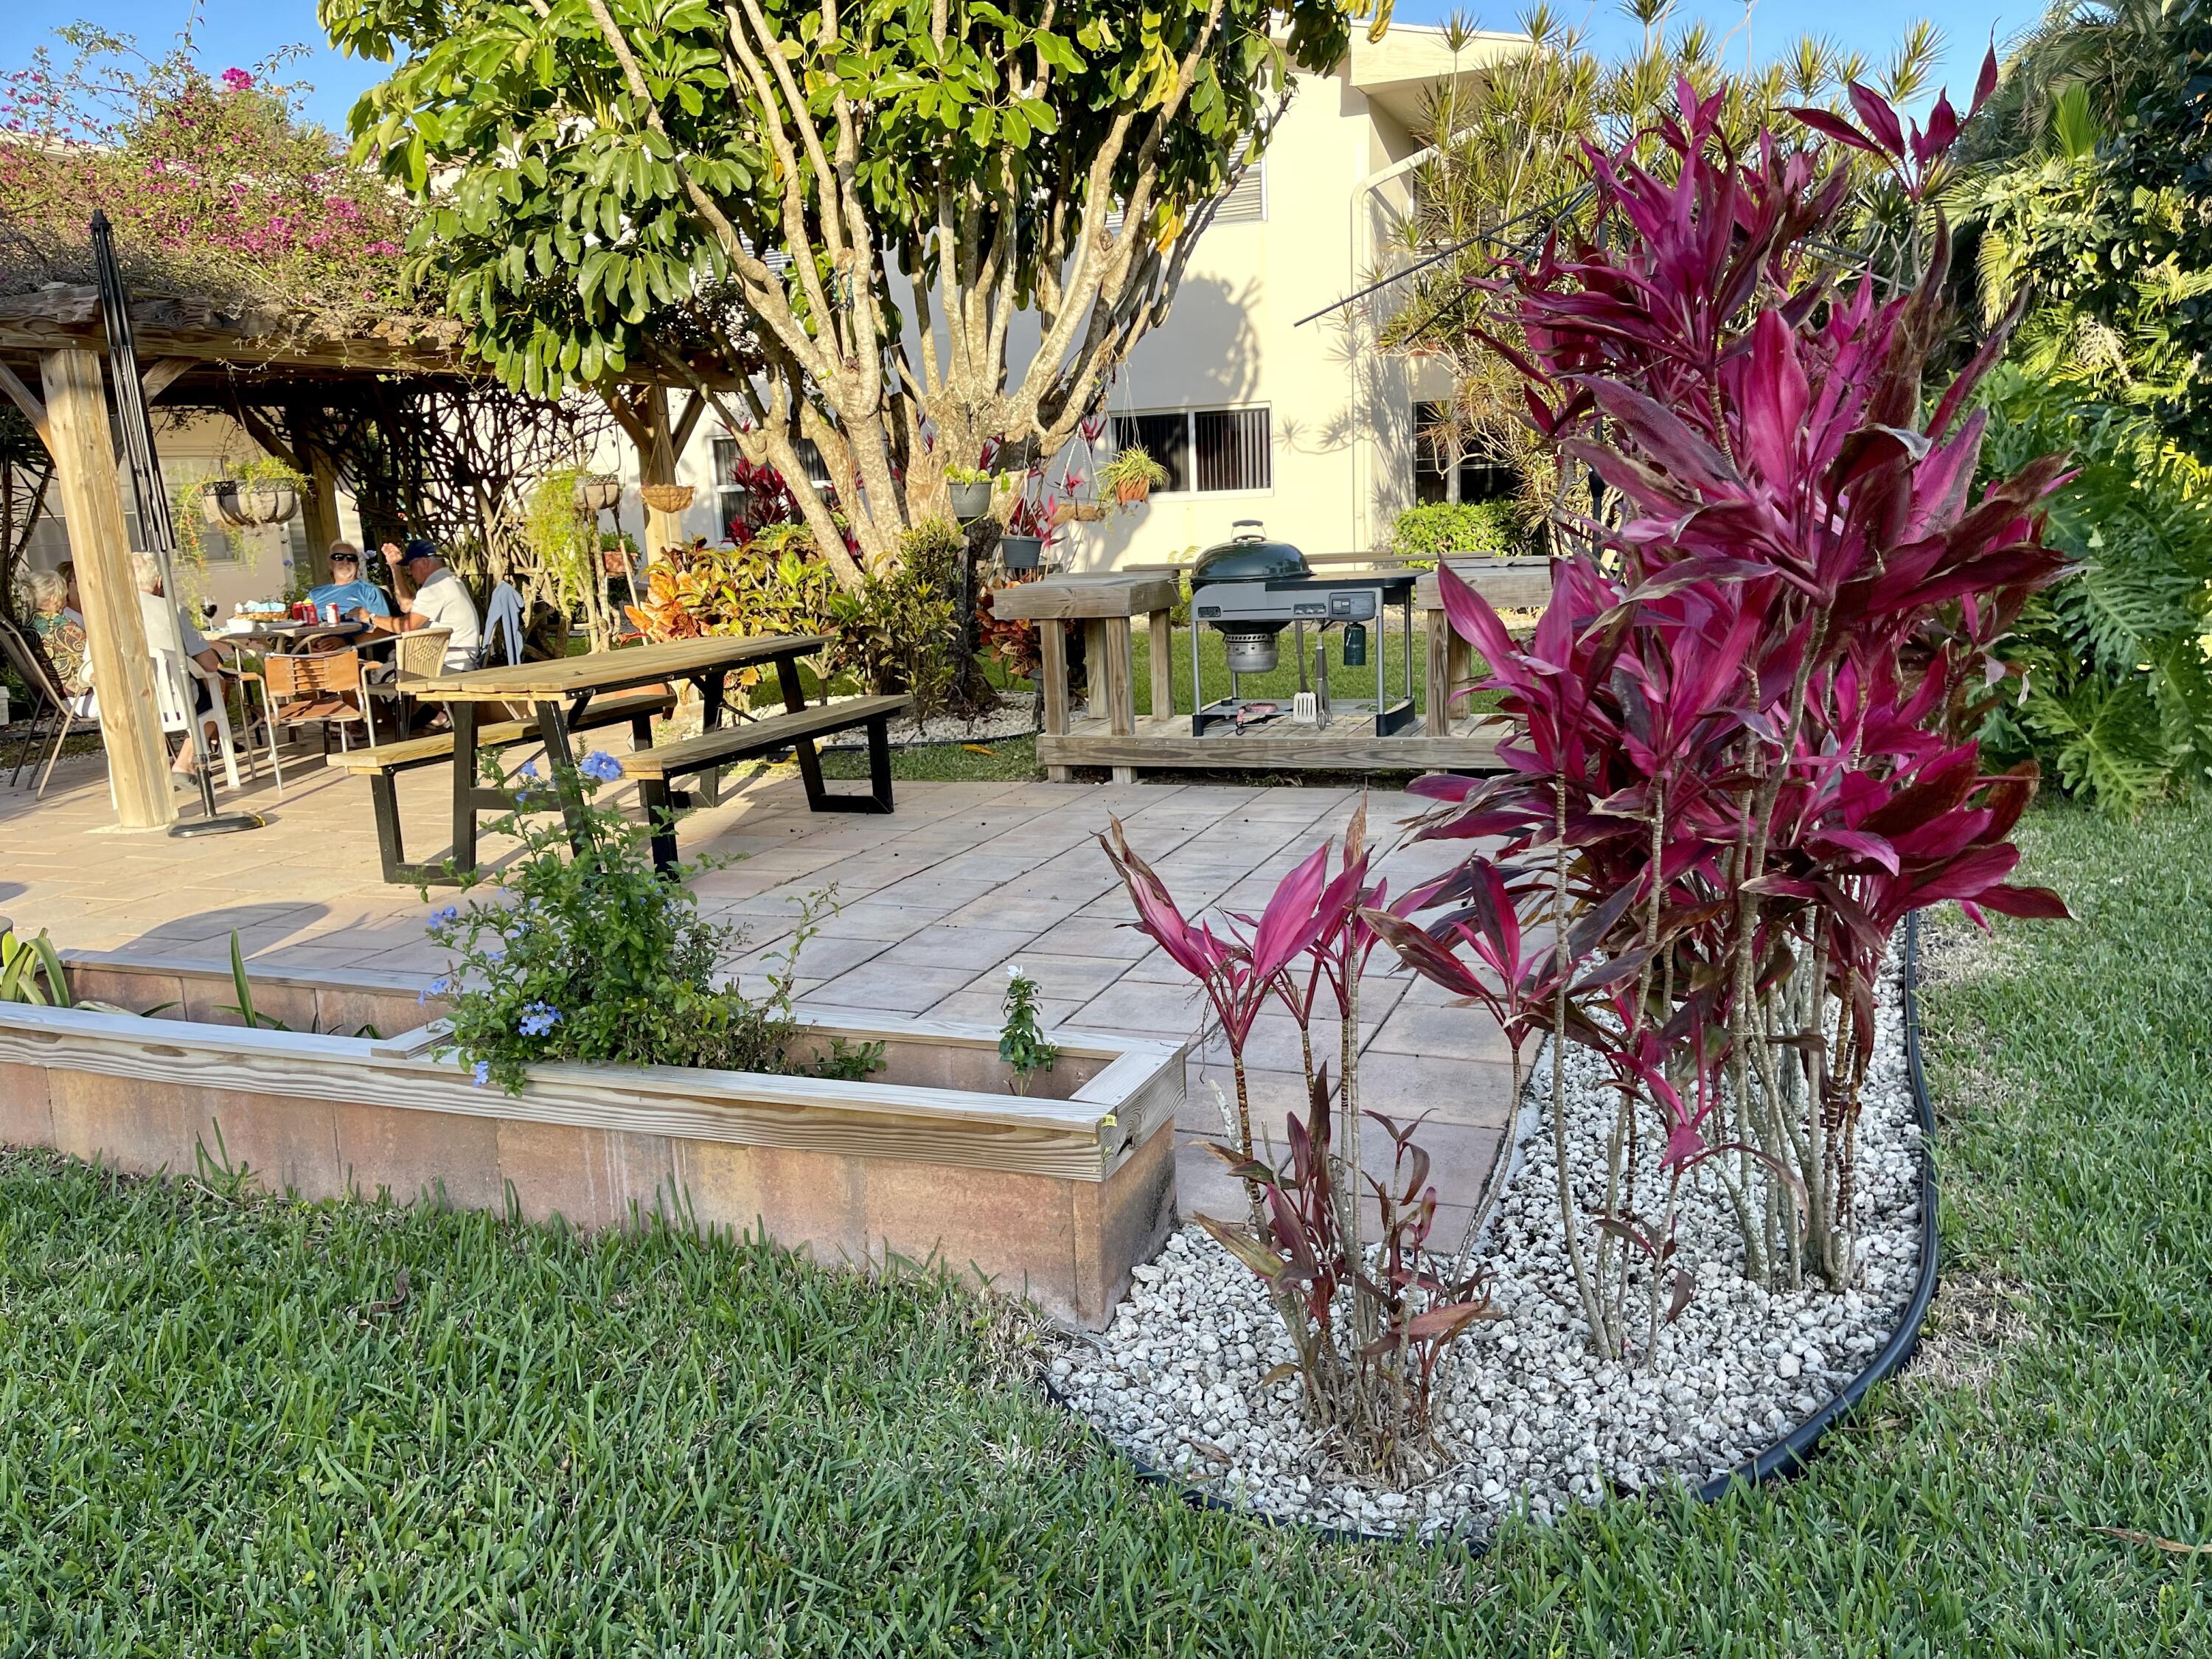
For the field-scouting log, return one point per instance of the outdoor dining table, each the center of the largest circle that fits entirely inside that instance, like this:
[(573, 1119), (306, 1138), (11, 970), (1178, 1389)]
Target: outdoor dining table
[(559, 692), (282, 637)]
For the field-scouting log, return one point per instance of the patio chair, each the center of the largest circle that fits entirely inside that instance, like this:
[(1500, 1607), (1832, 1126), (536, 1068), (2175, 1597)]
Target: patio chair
[(417, 655), (173, 673), (322, 688), (49, 702)]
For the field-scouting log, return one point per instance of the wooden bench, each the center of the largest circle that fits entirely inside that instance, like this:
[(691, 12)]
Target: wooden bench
[(387, 761), (795, 730)]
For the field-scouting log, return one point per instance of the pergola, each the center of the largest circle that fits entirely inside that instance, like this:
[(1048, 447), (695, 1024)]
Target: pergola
[(192, 352)]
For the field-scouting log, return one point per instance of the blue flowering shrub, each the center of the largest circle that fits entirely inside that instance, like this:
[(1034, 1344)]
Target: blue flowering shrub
[(592, 956)]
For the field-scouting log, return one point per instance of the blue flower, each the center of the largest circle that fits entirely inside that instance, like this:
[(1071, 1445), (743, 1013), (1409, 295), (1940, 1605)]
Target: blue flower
[(441, 918), (436, 988), (482, 1073), (529, 772), (539, 1018), (600, 766)]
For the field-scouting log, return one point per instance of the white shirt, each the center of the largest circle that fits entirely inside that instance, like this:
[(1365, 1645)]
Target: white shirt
[(442, 602)]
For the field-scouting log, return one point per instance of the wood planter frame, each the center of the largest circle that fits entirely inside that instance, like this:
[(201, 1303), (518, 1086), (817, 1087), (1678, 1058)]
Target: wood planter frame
[(1057, 1198)]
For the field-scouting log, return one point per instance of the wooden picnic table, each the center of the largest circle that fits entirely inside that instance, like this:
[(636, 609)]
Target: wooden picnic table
[(561, 692)]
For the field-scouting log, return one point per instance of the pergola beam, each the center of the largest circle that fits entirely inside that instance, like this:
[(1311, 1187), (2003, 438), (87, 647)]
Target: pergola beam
[(27, 400)]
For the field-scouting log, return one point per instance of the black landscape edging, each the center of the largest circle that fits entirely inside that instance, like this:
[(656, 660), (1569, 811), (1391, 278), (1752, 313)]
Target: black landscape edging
[(1787, 1456)]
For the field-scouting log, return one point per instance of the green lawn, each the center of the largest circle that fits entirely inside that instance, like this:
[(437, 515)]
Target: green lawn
[(224, 1430)]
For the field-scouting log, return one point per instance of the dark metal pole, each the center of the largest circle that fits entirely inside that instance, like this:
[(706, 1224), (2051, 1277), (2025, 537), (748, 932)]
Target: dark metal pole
[(156, 528)]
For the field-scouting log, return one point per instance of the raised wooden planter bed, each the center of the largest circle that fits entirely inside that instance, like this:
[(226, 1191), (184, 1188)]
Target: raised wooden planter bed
[(1058, 1194)]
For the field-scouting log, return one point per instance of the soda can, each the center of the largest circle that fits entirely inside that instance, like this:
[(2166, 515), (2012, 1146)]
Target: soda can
[(331, 614)]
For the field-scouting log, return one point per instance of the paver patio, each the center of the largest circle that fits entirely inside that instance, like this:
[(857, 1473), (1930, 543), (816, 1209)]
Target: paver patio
[(936, 899)]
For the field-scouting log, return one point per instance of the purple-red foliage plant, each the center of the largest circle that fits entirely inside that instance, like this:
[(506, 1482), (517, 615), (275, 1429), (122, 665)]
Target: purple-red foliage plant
[(1735, 769), (1369, 1325)]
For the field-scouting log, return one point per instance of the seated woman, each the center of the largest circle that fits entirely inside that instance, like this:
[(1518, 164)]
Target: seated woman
[(58, 630), (347, 589)]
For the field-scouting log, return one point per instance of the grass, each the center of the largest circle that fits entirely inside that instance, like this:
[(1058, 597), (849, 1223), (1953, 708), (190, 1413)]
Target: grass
[(226, 1429)]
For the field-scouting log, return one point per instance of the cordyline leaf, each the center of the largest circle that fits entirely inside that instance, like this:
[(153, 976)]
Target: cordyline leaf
[(1880, 120), (1685, 1288), (1240, 1243), (1446, 1322), (1834, 126), (2039, 903)]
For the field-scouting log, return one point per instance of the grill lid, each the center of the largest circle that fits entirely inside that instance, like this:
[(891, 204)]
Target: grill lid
[(1248, 555)]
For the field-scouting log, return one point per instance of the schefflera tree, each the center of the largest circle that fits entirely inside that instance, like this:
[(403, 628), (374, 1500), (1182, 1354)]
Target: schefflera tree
[(1736, 765)]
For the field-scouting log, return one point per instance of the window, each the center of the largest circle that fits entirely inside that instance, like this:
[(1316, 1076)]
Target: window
[(1246, 204), (1441, 476), (1205, 451), (733, 500)]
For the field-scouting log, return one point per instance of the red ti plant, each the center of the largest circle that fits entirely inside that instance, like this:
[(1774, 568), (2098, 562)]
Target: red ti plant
[(1369, 1388), (1367, 1384), (1237, 976), (1733, 772)]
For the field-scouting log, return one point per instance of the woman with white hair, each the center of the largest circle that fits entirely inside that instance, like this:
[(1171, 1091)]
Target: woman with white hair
[(58, 629)]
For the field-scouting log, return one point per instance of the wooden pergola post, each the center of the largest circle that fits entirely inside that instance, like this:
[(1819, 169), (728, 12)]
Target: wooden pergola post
[(319, 511), (77, 435)]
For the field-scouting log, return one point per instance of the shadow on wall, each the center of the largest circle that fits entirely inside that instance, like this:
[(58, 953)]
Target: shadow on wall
[(1204, 357)]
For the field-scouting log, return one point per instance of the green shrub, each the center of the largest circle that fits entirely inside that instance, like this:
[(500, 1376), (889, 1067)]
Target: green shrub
[(597, 956), (901, 630), (1445, 527), (2112, 688)]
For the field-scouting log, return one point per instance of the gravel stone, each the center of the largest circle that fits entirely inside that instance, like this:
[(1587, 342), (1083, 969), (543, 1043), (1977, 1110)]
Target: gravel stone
[(1524, 1414)]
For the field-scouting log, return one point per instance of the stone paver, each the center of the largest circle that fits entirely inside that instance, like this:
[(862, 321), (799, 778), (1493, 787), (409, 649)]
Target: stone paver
[(936, 899)]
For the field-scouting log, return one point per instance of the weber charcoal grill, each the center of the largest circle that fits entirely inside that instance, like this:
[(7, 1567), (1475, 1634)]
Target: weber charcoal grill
[(1253, 591)]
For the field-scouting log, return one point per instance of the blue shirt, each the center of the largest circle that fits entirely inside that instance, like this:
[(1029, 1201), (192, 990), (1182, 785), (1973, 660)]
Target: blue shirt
[(349, 597)]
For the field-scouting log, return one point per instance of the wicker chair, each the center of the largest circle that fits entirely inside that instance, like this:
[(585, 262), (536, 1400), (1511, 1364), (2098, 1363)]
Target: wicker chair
[(322, 688), (417, 655)]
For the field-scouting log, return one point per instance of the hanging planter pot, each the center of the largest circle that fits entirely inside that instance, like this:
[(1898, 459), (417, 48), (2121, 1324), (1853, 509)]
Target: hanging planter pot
[(971, 499), (666, 498), (1021, 552), (267, 501), (597, 492), (219, 504)]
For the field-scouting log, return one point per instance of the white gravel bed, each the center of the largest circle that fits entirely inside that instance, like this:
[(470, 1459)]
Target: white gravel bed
[(1529, 1416)]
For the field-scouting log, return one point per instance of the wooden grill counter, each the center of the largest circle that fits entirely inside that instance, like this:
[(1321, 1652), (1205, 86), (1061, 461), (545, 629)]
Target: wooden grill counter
[(1105, 730)]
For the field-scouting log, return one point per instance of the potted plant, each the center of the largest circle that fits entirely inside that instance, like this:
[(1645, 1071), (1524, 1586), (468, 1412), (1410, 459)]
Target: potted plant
[(1131, 476), (596, 492), (970, 488), (1020, 552), (263, 491)]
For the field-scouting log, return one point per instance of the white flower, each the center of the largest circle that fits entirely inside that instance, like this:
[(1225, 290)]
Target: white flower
[(1014, 970)]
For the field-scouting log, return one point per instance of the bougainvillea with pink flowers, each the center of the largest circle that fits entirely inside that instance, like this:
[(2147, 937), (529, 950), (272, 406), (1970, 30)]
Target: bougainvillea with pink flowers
[(217, 186)]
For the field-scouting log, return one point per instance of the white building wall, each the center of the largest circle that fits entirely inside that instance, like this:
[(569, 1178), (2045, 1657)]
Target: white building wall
[(1340, 413)]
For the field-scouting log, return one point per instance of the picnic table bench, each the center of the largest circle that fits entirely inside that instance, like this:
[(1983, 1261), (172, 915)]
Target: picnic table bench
[(576, 694)]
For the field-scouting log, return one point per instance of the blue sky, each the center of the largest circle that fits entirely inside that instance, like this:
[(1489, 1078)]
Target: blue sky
[(243, 32)]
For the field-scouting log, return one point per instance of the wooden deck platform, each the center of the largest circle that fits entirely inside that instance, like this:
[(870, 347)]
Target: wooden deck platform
[(1346, 743)]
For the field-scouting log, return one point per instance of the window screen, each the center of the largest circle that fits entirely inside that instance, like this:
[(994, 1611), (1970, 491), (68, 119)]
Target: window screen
[(1205, 451)]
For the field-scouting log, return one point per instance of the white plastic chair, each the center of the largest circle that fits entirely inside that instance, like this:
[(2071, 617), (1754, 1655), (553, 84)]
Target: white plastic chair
[(503, 623), (174, 701)]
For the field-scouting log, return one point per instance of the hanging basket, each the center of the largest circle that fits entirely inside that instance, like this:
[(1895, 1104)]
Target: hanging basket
[(268, 501), (219, 504), (1020, 552), (597, 492), (666, 498)]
